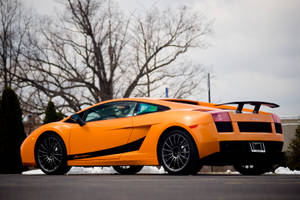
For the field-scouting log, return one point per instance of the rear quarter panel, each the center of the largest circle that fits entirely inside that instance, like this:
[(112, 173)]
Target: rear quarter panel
[(198, 124)]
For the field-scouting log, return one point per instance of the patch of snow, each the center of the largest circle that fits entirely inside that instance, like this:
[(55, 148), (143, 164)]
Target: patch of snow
[(230, 172), (153, 170), (92, 170), (269, 173), (33, 172), (99, 170), (279, 170), (145, 170), (286, 170)]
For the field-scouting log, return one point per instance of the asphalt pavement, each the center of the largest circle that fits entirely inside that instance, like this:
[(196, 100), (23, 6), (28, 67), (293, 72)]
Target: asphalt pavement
[(144, 187)]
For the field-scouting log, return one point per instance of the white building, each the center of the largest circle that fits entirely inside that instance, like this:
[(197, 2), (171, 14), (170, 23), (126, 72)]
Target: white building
[(289, 125)]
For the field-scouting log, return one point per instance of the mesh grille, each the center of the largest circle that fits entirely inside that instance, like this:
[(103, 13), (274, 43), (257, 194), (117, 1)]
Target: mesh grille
[(255, 127), (278, 128), (224, 126)]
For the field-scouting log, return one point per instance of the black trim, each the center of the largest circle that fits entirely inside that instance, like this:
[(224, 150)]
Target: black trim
[(224, 126), (243, 146), (230, 158), (132, 146), (182, 101), (278, 127), (233, 151), (256, 104), (264, 127)]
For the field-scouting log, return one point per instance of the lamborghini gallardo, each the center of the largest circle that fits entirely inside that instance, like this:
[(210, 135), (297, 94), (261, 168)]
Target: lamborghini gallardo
[(179, 135)]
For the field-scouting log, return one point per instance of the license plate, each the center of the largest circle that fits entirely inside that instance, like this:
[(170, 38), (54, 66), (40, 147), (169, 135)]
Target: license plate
[(258, 147)]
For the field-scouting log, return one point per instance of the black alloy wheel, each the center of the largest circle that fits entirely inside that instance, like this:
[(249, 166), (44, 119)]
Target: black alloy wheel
[(50, 155), (128, 170), (178, 154)]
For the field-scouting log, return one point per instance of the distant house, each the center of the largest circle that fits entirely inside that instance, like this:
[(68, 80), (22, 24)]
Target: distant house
[(31, 122), (289, 125)]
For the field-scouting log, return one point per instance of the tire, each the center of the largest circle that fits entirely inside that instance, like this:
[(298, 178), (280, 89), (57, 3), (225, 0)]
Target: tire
[(178, 154), (128, 170), (51, 155), (252, 167)]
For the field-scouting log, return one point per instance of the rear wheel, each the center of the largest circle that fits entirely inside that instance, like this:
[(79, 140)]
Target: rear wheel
[(50, 155), (252, 167), (129, 170), (178, 154)]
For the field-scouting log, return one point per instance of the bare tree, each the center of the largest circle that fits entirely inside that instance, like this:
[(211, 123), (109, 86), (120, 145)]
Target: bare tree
[(14, 24), (161, 37), (183, 79), (96, 53)]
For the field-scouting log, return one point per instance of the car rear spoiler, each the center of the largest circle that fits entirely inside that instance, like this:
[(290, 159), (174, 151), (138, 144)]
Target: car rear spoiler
[(256, 104)]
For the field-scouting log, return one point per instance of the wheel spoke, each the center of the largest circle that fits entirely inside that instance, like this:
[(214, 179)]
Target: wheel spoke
[(168, 155), (48, 143), (174, 140), (167, 150), (184, 157), (42, 152), (172, 161), (181, 161), (43, 147), (178, 141), (172, 145), (167, 146), (56, 158)]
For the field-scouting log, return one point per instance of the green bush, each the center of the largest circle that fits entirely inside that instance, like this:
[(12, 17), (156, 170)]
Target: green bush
[(293, 159), (51, 114), (12, 132)]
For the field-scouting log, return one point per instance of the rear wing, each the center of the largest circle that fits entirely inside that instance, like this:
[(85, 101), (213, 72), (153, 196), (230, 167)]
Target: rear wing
[(256, 104)]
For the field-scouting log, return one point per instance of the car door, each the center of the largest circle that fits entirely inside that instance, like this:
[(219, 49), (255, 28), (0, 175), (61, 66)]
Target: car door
[(108, 127), (145, 117)]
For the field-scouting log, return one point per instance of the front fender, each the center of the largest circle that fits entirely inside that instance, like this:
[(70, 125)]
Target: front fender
[(28, 145)]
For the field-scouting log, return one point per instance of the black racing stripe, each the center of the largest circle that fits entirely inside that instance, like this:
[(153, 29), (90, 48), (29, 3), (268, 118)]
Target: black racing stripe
[(132, 146)]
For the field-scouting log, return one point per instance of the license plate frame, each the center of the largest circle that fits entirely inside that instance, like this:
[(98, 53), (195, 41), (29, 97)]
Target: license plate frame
[(257, 147)]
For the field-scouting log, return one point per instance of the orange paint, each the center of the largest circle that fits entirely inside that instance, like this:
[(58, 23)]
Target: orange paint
[(112, 133)]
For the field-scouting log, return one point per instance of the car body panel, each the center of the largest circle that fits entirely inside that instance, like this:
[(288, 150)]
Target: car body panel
[(99, 135), (28, 146), (133, 140)]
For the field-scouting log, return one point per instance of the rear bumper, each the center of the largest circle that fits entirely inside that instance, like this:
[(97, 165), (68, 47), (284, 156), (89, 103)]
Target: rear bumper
[(244, 146), (234, 151)]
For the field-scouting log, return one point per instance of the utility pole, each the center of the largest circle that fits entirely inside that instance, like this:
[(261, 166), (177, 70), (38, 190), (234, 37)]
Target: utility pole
[(209, 100), (208, 86), (167, 92)]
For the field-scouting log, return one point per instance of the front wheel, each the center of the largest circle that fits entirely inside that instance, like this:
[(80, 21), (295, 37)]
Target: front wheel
[(128, 170), (50, 155), (178, 154)]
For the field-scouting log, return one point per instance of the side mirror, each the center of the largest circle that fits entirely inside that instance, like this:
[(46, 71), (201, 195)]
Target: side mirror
[(78, 119)]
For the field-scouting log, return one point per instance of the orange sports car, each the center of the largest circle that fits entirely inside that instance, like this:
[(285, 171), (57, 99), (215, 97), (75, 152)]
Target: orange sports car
[(180, 135)]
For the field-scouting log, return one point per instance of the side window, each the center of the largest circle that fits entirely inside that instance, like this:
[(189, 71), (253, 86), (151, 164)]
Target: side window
[(110, 111), (144, 108)]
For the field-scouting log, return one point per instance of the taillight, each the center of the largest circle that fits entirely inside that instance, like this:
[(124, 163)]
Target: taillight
[(221, 116), (278, 127), (276, 118), (222, 121)]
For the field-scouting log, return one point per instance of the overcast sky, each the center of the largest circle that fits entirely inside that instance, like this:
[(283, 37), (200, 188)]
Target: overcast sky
[(254, 53)]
